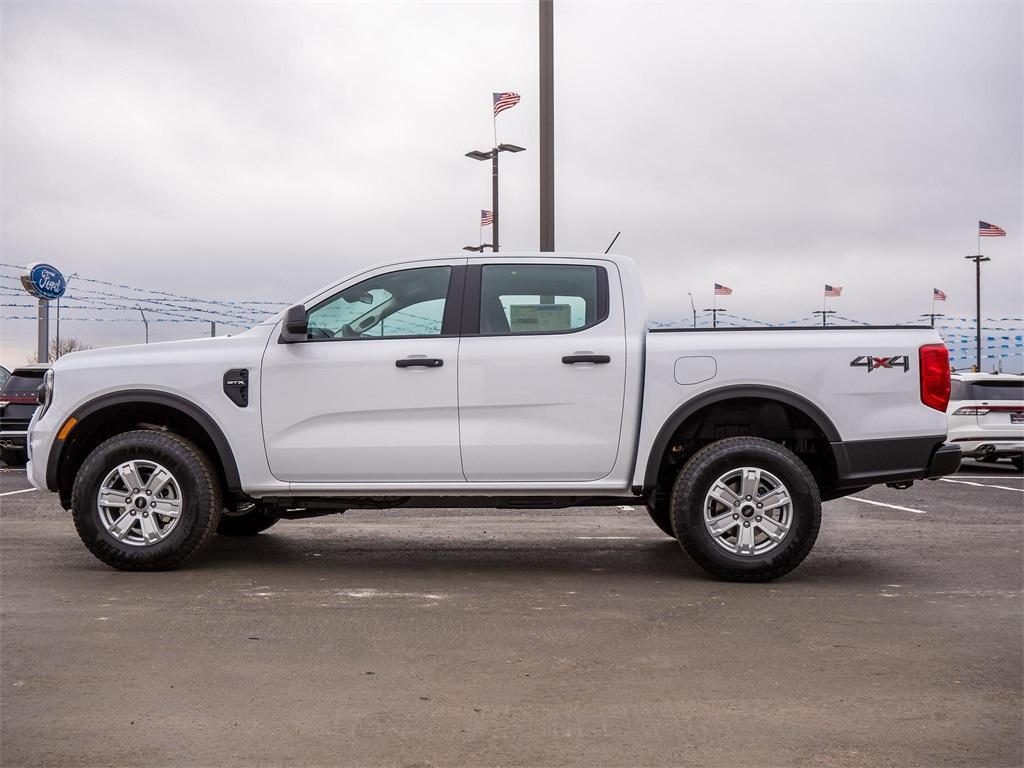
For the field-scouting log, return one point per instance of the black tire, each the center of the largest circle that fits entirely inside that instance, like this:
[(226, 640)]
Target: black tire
[(659, 508), (249, 522), (712, 462), (13, 457), (200, 490), (1018, 463)]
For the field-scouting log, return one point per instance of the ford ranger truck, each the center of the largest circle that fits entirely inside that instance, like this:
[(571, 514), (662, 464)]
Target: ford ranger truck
[(507, 381)]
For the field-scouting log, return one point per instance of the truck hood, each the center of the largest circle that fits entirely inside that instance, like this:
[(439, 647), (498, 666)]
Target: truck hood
[(165, 352)]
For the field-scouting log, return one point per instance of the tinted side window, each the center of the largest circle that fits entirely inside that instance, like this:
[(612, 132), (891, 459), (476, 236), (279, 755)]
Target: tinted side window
[(409, 302), (956, 390), (541, 298)]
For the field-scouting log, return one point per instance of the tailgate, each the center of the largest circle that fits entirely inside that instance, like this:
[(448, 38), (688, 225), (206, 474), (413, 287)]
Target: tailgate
[(1000, 404)]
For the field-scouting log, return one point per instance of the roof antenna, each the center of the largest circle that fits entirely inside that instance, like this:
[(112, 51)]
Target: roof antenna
[(612, 242)]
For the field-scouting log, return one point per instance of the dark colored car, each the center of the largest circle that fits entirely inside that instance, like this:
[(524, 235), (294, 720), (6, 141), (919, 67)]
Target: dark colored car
[(17, 404)]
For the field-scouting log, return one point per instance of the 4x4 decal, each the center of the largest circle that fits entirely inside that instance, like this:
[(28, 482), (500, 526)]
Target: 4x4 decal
[(870, 362)]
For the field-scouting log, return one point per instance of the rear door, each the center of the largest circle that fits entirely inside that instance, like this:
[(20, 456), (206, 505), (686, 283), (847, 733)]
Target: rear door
[(541, 370)]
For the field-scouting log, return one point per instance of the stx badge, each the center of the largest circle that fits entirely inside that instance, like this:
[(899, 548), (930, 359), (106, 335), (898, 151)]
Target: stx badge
[(871, 363)]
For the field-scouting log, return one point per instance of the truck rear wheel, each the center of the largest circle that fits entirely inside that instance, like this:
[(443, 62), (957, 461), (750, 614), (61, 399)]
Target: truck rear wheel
[(246, 521), (746, 509), (146, 501)]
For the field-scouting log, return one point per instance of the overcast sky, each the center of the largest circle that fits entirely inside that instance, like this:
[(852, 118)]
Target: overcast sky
[(257, 151)]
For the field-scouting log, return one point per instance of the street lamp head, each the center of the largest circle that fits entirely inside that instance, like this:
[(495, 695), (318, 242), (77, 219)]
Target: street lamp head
[(476, 154), (510, 148)]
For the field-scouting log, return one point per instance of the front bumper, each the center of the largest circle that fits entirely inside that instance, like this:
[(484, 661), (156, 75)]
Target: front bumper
[(861, 463), (38, 439)]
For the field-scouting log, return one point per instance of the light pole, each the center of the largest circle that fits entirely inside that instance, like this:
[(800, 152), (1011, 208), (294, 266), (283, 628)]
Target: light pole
[(714, 316), (824, 315), (546, 46), (144, 322), (977, 259), (694, 308), (492, 155)]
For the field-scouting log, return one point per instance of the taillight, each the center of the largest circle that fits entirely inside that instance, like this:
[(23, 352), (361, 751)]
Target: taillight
[(970, 410), (934, 376)]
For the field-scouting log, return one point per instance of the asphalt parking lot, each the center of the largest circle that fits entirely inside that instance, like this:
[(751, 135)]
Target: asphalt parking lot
[(570, 638)]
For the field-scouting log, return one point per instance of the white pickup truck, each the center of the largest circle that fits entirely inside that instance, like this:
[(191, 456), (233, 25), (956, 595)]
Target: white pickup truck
[(506, 380)]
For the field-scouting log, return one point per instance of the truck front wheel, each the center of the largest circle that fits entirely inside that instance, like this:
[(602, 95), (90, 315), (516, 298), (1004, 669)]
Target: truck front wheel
[(146, 501), (746, 509)]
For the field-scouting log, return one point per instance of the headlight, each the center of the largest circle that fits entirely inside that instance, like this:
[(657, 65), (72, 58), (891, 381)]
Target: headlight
[(44, 394)]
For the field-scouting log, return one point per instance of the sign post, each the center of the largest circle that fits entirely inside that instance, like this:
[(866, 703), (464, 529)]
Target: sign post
[(45, 282)]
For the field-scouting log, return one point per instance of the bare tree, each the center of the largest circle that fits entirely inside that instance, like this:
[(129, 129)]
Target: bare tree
[(66, 346)]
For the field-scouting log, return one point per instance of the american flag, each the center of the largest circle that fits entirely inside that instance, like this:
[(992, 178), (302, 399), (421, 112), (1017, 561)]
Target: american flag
[(486, 217), (832, 291), (503, 101), (990, 230), (721, 290), (938, 295)]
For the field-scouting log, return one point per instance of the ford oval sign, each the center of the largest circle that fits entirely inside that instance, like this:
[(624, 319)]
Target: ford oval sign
[(44, 281)]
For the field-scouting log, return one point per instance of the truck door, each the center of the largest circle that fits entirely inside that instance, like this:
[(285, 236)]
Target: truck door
[(372, 395), (541, 370)]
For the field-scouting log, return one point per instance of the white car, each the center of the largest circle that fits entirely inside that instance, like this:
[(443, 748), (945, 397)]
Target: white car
[(505, 380), (986, 416)]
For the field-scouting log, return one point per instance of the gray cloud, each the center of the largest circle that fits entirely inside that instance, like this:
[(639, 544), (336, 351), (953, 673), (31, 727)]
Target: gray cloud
[(258, 150)]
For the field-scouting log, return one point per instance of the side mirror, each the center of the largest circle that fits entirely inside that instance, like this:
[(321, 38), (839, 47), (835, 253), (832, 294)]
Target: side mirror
[(295, 325)]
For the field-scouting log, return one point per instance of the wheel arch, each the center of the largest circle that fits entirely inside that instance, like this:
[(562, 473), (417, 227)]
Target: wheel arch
[(707, 400), (96, 419)]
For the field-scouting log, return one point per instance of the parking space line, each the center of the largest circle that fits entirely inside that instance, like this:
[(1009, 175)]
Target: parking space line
[(993, 477), (23, 490), (606, 538), (890, 506), (982, 485)]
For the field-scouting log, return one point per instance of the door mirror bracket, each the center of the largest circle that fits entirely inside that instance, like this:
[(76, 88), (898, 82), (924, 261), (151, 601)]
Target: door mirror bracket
[(295, 327)]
